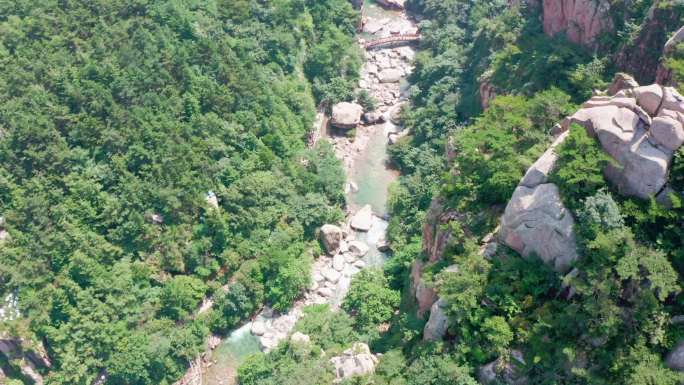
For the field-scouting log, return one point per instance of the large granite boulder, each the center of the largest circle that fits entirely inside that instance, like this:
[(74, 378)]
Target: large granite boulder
[(622, 81), (356, 361), (346, 115), (536, 222), (438, 323), (363, 219), (331, 236), (640, 128), (539, 172)]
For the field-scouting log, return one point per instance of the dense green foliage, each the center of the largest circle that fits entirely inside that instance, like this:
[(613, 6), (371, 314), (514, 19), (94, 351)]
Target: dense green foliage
[(118, 118), (609, 322)]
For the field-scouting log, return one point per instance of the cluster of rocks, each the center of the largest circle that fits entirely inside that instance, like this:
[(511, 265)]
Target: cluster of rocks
[(355, 361), (381, 76), (639, 127), (331, 278)]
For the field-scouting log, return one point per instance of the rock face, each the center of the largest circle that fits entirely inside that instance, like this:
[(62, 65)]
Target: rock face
[(642, 56), (346, 115), (675, 359), (331, 236), (536, 222), (437, 324), (582, 21), (356, 361), (664, 75)]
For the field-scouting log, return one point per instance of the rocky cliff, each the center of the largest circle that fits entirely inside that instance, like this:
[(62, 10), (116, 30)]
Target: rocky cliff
[(581, 21), (642, 57), (640, 127)]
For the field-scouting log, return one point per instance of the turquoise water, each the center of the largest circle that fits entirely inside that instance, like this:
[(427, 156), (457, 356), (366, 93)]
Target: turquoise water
[(229, 355), (372, 175)]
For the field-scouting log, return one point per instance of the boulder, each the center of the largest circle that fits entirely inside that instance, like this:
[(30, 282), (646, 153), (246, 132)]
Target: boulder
[(346, 115), (358, 248), (581, 21), (325, 292), (675, 359), (300, 338), (331, 236), (363, 219), (672, 105), (390, 75), (641, 171), (331, 275), (536, 222), (539, 172), (649, 97), (667, 132), (373, 118), (436, 327), (356, 361), (502, 371), (338, 262), (621, 81)]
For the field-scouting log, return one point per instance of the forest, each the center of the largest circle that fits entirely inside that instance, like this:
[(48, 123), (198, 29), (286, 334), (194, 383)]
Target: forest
[(153, 152)]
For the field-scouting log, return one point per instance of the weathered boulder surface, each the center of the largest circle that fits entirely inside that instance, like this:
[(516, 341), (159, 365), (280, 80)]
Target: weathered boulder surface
[(582, 21), (503, 371), (536, 222), (355, 361), (363, 219), (331, 236), (346, 115), (675, 359)]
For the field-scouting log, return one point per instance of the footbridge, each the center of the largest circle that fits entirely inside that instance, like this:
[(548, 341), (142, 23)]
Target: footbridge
[(391, 40)]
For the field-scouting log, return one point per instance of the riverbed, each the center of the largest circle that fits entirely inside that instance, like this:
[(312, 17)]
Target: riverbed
[(369, 178)]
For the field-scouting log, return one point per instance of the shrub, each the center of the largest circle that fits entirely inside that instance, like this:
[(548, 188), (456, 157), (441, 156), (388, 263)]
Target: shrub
[(370, 299)]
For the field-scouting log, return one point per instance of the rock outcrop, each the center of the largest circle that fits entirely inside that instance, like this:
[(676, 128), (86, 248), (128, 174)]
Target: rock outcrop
[(639, 128), (355, 361), (642, 56), (537, 223), (346, 115), (582, 21)]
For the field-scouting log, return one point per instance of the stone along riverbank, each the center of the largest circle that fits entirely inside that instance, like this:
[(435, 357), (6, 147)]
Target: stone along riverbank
[(357, 243)]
